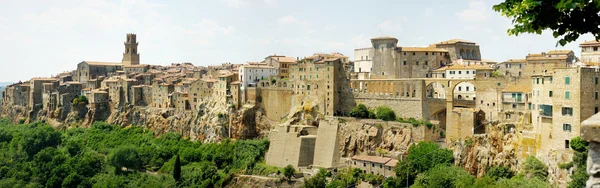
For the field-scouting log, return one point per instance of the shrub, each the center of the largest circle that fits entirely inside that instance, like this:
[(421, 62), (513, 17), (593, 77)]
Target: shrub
[(289, 171), (81, 100), (127, 156), (360, 111), (565, 165), (534, 168), (385, 113), (497, 172)]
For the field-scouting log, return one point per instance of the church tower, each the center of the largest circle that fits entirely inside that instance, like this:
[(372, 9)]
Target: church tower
[(131, 55)]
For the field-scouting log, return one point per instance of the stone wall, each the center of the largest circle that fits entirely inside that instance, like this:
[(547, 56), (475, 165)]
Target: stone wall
[(276, 102)]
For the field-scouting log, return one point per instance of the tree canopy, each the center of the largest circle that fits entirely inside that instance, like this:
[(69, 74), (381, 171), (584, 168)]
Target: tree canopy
[(567, 19)]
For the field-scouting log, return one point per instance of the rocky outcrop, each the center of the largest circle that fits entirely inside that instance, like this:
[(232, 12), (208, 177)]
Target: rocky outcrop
[(590, 132), (374, 137), (478, 153), (211, 122)]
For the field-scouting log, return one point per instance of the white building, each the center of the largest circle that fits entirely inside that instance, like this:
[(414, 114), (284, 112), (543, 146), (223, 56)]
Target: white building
[(251, 73), (363, 62), (465, 90)]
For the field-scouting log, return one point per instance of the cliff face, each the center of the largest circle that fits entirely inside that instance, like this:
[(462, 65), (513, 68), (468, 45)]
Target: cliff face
[(211, 122), (482, 151), (362, 137)]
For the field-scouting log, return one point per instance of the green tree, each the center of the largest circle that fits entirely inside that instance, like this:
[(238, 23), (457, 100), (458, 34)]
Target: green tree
[(385, 113), (422, 157), (567, 19), (497, 172), (444, 176), (289, 171), (126, 156), (317, 181), (520, 181), (534, 168), (360, 111), (177, 169)]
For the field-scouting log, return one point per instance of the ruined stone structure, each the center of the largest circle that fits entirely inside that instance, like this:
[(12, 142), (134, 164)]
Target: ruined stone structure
[(304, 145)]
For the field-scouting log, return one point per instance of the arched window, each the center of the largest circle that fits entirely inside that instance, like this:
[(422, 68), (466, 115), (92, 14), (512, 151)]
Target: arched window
[(462, 53)]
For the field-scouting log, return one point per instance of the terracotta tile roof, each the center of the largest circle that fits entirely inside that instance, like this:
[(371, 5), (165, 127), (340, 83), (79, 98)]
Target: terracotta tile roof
[(391, 163), (99, 63), (423, 49), (535, 58), (286, 59), (441, 69), (454, 41), (374, 159), (45, 79), (475, 66), (591, 42), (135, 66), (384, 37), (517, 88), (515, 61), (559, 52)]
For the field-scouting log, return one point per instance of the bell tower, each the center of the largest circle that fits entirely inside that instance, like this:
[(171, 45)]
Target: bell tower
[(131, 55)]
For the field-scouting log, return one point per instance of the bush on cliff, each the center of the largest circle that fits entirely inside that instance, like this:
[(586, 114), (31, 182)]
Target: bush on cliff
[(534, 168), (360, 111), (385, 113), (81, 100)]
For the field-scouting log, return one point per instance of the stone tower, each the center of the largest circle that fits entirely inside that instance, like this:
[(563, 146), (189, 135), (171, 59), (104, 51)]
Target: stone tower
[(131, 55), (384, 58)]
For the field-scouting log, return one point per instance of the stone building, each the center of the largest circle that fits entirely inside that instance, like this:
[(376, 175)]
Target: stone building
[(136, 68), (383, 166), (131, 55), (89, 70), (324, 80), (36, 91), (282, 63), (251, 73), (561, 99), (160, 95), (460, 49), (56, 96), (546, 62), (590, 52), (97, 98), (16, 94), (393, 62), (363, 62), (199, 90), (305, 145), (512, 67)]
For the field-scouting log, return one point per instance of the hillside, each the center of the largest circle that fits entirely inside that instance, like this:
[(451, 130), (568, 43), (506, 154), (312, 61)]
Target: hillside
[(37, 155)]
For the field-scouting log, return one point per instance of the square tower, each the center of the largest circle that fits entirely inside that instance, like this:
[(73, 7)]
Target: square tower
[(131, 55)]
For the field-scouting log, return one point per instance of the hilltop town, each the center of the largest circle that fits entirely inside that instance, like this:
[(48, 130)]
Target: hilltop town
[(487, 112)]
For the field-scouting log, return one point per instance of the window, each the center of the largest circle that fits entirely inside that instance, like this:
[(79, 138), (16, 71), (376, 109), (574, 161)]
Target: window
[(567, 144), (567, 127), (413, 53), (404, 63), (549, 93), (567, 80), (537, 81), (364, 164), (596, 80), (372, 164), (596, 95), (595, 48), (567, 111), (426, 53), (595, 110), (567, 94), (550, 79), (507, 116), (426, 63), (367, 58), (459, 72), (417, 63), (467, 88), (514, 106), (459, 88)]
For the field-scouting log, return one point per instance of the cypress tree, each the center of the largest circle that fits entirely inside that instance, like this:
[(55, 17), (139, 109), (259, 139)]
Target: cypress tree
[(177, 169)]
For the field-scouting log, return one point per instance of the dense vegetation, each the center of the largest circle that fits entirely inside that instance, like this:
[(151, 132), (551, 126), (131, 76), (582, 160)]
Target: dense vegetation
[(384, 113), (428, 165), (37, 155)]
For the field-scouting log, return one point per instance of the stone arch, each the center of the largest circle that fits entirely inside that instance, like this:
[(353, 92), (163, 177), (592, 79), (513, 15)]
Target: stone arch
[(459, 97), (462, 54), (474, 54), (468, 54)]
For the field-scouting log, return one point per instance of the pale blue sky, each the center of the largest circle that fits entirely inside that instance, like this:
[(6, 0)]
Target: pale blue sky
[(40, 38)]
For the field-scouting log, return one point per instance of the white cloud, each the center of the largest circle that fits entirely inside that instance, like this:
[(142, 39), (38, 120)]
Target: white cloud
[(236, 3), (360, 41), (204, 31), (287, 20), (477, 12), (428, 12), (272, 3), (389, 25)]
